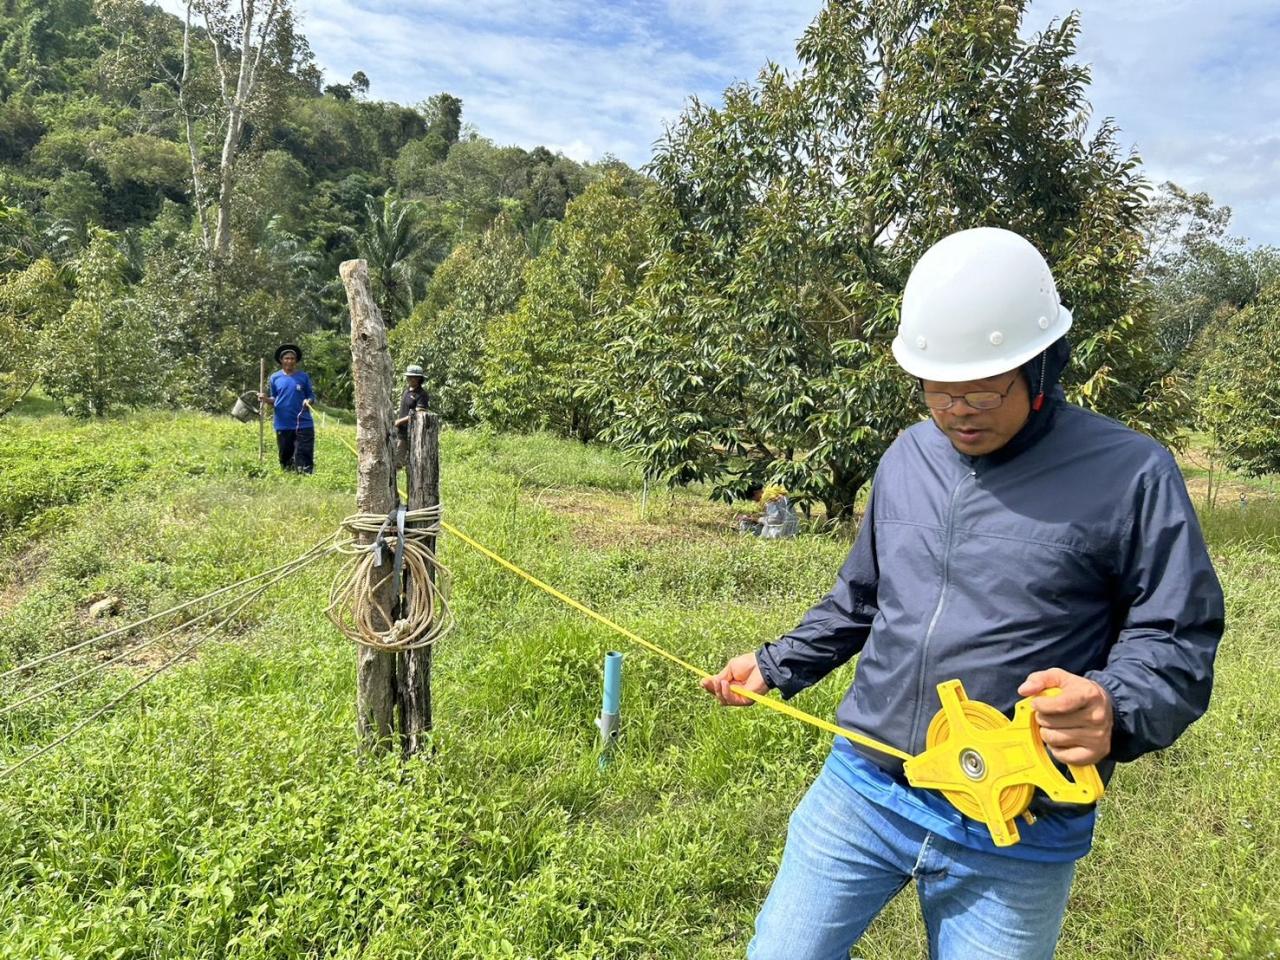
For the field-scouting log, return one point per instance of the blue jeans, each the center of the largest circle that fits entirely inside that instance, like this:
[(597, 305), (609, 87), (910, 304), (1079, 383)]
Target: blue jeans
[(846, 858)]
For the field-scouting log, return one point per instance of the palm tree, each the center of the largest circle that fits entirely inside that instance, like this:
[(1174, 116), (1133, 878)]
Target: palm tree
[(389, 244)]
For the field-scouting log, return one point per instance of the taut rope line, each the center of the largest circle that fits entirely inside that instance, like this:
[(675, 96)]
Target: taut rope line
[(295, 565), (163, 613)]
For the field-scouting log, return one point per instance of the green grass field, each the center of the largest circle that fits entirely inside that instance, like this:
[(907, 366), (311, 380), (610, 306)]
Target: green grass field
[(224, 812)]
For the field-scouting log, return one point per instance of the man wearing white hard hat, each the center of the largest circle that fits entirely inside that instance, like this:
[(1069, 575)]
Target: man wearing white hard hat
[(1013, 541)]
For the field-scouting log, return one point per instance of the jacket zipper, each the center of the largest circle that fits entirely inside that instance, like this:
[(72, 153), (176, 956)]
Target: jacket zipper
[(937, 610)]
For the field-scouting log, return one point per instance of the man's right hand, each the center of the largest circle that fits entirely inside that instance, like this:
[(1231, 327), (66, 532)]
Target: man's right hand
[(741, 671)]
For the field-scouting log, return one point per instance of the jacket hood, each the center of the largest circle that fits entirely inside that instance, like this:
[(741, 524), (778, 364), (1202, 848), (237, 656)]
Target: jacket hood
[(1044, 371), (1044, 374)]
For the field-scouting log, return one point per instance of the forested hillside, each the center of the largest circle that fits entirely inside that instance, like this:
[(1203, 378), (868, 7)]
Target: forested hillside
[(113, 129), (179, 618), (176, 196)]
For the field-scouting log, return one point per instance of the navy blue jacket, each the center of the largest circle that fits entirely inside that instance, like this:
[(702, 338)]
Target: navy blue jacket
[(1074, 546)]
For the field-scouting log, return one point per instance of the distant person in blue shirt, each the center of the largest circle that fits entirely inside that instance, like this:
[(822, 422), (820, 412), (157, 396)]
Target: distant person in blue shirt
[(288, 391)]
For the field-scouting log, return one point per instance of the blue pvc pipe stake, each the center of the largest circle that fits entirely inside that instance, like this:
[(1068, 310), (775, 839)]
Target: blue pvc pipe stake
[(612, 682), (608, 719)]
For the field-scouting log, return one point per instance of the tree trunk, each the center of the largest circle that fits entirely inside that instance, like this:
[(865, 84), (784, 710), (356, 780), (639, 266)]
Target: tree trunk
[(197, 190), (227, 183), (237, 103), (843, 495), (413, 667), (375, 492)]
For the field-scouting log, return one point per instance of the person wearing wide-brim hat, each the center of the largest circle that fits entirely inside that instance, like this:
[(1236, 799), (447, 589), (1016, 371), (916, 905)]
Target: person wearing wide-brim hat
[(288, 391), (415, 398)]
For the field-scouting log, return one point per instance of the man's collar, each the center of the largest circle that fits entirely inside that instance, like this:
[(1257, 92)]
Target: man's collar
[(1038, 424)]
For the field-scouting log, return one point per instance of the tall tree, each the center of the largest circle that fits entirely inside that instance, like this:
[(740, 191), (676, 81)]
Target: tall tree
[(758, 344), (100, 354), (146, 41), (240, 37), (253, 47), (448, 333), (444, 118), (539, 357), (31, 301), (1238, 381), (1198, 274)]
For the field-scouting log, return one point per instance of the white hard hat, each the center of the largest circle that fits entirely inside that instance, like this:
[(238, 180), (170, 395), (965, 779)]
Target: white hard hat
[(977, 304)]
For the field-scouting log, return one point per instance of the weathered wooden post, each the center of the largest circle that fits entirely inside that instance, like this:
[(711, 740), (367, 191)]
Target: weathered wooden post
[(371, 373), (393, 690), (413, 667)]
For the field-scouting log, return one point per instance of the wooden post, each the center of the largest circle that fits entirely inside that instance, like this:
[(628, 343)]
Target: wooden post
[(262, 388), (371, 373), (413, 667)]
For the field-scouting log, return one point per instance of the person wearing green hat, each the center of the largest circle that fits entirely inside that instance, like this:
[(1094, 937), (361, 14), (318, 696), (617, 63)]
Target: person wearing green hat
[(415, 398), (288, 392)]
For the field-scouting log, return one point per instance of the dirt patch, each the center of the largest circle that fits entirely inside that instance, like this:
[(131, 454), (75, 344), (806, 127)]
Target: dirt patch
[(156, 655), (1205, 479), (10, 595), (603, 519), (144, 659)]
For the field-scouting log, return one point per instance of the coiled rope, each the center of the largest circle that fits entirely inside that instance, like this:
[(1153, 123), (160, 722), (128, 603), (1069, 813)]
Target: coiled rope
[(419, 613)]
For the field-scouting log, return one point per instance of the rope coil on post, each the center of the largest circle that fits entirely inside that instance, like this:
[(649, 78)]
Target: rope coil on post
[(419, 596)]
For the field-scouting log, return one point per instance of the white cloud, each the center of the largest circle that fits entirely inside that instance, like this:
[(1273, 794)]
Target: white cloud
[(578, 150), (598, 78), (1194, 86)]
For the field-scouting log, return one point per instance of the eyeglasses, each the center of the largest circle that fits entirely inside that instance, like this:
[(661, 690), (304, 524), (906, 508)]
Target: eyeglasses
[(978, 399)]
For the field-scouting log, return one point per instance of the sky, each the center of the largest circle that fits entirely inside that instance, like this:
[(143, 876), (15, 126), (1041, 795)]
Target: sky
[(1193, 85)]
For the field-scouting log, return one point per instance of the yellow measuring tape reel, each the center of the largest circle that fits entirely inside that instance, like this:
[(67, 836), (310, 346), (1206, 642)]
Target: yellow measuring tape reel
[(985, 764), (989, 766)]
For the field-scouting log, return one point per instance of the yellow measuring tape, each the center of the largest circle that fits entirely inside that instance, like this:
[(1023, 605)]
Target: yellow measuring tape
[(701, 674), (582, 608), (986, 765)]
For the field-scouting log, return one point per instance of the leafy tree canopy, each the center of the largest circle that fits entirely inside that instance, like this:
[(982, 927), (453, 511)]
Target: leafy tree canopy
[(757, 346), (1238, 382), (117, 115), (542, 358)]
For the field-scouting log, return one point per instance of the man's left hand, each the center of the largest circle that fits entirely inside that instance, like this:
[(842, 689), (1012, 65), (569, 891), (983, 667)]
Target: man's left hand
[(1076, 724)]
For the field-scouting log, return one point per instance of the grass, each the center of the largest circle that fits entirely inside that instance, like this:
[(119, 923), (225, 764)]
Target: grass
[(225, 814)]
